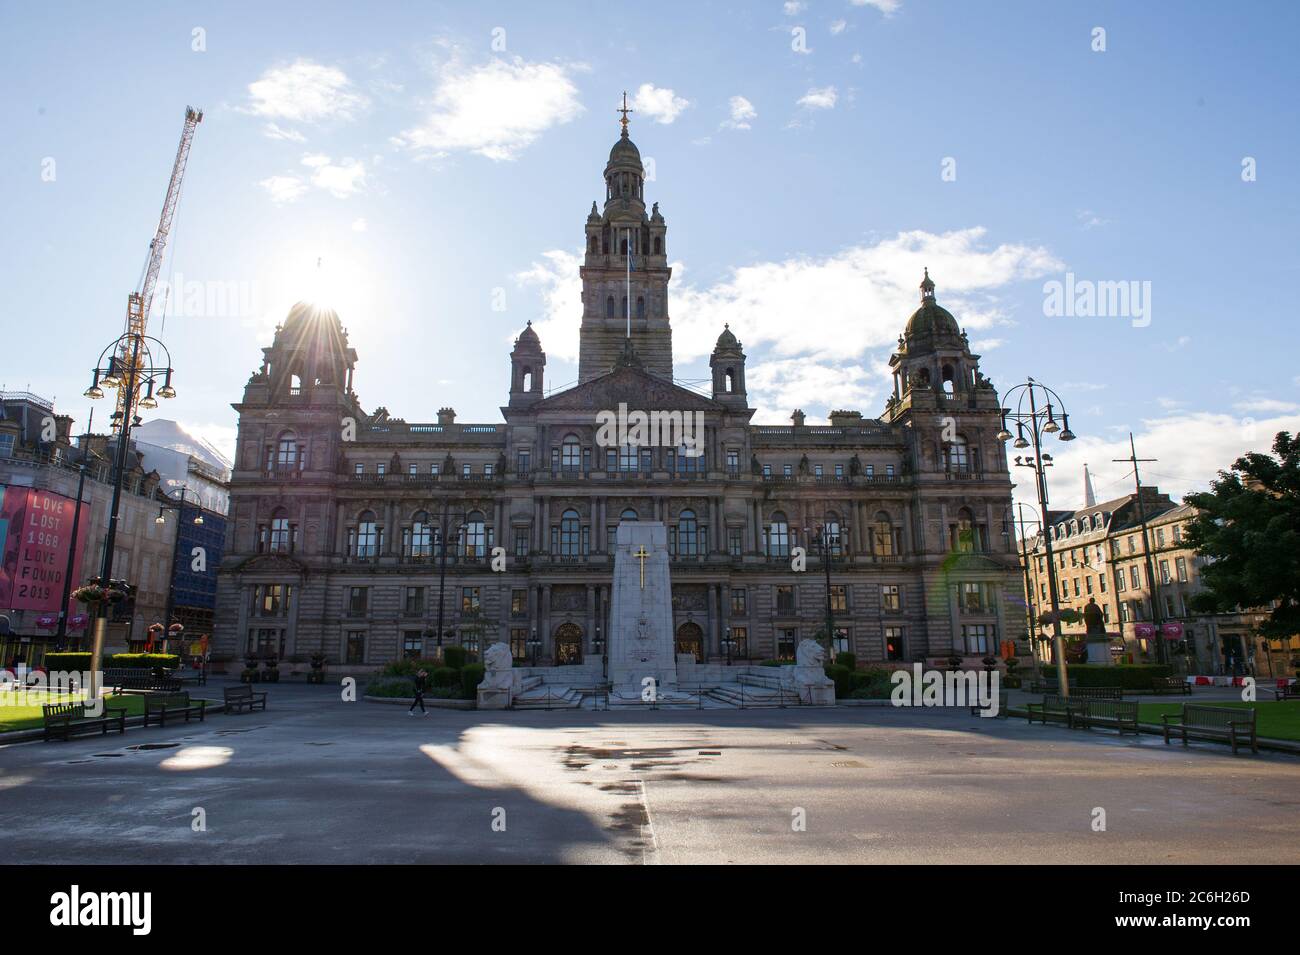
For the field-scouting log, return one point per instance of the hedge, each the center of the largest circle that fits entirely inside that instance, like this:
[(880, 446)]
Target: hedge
[(471, 675), (846, 660), (67, 662), (409, 667), (446, 676), (144, 661), (843, 677), (1130, 676), (453, 657)]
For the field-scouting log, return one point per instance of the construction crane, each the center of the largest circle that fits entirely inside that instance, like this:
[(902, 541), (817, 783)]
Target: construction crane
[(137, 304)]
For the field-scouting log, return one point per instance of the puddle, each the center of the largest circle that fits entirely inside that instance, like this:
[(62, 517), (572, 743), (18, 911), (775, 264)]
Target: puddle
[(140, 746)]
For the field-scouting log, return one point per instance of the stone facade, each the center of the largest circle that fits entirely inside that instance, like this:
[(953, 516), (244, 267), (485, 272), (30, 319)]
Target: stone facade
[(337, 515)]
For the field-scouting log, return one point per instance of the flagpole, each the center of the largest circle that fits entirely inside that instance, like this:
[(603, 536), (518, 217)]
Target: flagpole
[(628, 298)]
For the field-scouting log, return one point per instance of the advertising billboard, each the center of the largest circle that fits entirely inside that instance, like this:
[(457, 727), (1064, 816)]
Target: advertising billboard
[(36, 531)]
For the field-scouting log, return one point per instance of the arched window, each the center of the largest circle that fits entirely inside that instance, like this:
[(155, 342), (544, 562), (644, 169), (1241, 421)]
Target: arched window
[(958, 454), (286, 452), (882, 535), (591, 245), (571, 452), (659, 246), (729, 381), (419, 537), (569, 534), (949, 380), (281, 533), (527, 379), (609, 307), (688, 534), (474, 536), (778, 536), (831, 532), (629, 514), (623, 309), (366, 536)]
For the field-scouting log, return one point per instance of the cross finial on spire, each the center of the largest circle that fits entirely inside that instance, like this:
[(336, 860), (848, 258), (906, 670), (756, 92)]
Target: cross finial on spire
[(625, 110)]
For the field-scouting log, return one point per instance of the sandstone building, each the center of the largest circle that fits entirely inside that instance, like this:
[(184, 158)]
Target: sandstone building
[(336, 535)]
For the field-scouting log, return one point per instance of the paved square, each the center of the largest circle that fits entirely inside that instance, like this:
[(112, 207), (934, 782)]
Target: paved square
[(318, 780)]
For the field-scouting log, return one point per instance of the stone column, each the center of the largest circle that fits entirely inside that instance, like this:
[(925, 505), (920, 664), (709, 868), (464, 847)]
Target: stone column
[(591, 619), (544, 631), (724, 617)]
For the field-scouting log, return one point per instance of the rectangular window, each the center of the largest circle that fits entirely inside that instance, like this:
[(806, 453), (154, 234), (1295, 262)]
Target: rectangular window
[(1164, 572), (733, 462), (469, 599), (767, 470), (433, 469), (519, 603), (465, 470), (735, 545), (787, 470), (1178, 533), (891, 598), (487, 470), (817, 470), (1180, 566), (786, 638), (519, 644), (894, 649), (1088, 584), (358, 601), (977, 637), (523, 462), (970, 598), (1101, 582), (356, 646), (1160, 537), (411, 469), (889, 470), (381, 469), (521, 542), (784, 599), (412, 644), (358, 468), (1135, 578), (414, 601), (738, 601), (839, 598), (871, 470), (842, 641), (739, 643)]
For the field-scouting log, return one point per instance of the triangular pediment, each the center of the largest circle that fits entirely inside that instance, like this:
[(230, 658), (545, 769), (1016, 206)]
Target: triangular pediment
[(273, 563), (639, 390)]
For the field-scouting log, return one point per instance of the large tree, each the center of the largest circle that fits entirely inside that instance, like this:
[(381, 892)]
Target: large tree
[(1248, 529)]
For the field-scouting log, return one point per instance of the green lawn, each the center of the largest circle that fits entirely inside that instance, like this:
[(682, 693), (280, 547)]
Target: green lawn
[(1275, 720), (28, 716)]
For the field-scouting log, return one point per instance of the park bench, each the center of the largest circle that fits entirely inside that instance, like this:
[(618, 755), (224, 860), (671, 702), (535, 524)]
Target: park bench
[(196, 675), (62, 720), (158, 708), (976, 709), (1231, 724), (138, 680), (1054, 707), (1119, 714), (1044, 686), (1170, 684), (1287, 691), (242, 697), (1096, 692)]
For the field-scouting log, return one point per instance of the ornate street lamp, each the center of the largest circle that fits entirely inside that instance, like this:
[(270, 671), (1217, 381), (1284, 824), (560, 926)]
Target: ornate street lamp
[(1021, 407), (132, 364), (826, 545)]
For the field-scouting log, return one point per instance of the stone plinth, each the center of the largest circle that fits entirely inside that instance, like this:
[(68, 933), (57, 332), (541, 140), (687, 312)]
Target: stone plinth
[(641, 619)]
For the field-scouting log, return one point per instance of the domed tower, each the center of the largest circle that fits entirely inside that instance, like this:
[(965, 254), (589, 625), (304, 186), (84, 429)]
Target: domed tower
[(933, 352), (625, 271), (728, 364), (310, 354), (527, 363)]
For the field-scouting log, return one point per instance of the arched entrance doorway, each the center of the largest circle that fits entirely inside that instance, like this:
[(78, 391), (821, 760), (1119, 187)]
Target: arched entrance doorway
[(690, 639), (568, 644)]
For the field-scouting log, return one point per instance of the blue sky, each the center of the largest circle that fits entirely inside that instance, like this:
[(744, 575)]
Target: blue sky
[(439, 160)]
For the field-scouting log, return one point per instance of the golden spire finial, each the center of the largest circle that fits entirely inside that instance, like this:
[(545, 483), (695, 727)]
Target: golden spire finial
[(624, 111)]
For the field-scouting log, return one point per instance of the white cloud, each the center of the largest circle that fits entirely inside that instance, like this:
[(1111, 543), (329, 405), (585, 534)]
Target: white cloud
[(273, 131), (838, 27), (887, 7), (1190, 449), (495, 110), (341, 179), (793, 7), (776, 388), (305, 92), (284, 188), (661, 105), (986, 344), (828, 312), (1266, 406), (359, 225), (819, 98), (742, 111), (1089, 219)]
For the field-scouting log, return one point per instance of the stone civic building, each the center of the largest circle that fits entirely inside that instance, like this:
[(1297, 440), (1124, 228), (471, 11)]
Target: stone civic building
[(338, 516)]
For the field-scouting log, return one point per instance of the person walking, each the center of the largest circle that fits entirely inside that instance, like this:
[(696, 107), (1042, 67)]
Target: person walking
[(421, 682)]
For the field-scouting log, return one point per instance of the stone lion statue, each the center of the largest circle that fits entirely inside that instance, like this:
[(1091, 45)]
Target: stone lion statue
[(810, 653), (497, 664)]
